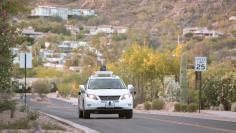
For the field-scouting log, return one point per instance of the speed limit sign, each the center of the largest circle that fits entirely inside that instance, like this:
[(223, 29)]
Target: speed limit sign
[(200, 64)]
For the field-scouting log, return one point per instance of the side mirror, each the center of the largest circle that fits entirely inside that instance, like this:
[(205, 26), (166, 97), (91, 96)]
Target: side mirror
[(131, 88), (82, 89)]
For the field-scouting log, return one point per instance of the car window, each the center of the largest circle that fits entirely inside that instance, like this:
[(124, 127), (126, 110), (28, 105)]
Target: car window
[(106, 84)]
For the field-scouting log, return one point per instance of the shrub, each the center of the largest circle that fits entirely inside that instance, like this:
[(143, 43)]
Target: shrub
[(233, 107), (41, 87), (8, 105), (51, 126), (19, 124), (148, 105), (22, 108), (64, 89), (33, 115), (192, 107), (184, 107), (75, 89), (177, 107), (158, 104)]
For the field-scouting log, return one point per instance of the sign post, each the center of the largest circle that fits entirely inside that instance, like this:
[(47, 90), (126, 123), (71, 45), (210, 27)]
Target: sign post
[(25, 62), (200, 65)]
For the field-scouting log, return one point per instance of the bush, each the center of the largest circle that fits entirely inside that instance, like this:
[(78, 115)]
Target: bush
[(41, 87), (75, 89), (184, 107), (51, 126), (33, 115), (8, 105), (233, 107), (64, 89), (158, 104), (19, 124), (148, 105), (177, 107), (192, 107), (22, 108)]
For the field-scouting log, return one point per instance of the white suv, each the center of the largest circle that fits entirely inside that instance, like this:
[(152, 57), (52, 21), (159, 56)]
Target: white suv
[(105, 93)]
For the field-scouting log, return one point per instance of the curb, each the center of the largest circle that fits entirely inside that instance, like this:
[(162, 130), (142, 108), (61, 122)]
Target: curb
[(75, 125), (218, 118)]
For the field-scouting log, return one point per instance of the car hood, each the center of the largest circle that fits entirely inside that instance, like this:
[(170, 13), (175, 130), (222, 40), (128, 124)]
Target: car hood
[(107, 92)]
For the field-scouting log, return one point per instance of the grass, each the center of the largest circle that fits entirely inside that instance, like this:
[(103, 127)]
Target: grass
[(20, 124), (51, 126)]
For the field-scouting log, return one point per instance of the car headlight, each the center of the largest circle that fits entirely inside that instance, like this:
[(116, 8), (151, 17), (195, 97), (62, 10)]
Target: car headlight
[(125, 96), (91, 96)]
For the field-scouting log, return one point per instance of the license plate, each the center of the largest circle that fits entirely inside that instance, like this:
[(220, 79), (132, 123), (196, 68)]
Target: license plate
[(110, 104)]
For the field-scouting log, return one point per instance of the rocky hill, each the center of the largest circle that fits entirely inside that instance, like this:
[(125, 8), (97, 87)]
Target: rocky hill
[(161, 15)]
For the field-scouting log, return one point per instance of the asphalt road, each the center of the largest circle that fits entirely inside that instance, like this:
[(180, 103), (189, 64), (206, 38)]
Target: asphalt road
[(141, 123)]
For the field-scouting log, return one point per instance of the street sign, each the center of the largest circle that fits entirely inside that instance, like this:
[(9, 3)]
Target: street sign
[(200, 64), (28, 57)]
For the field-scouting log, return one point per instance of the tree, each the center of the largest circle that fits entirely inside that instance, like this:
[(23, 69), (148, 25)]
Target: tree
[(8, 37), (219, 85)]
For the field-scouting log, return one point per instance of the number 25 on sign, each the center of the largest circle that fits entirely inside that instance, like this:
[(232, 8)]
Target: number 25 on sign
[(200, 64)]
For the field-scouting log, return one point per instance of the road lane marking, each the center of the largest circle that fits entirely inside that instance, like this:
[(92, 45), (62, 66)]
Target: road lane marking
[(191, 124)]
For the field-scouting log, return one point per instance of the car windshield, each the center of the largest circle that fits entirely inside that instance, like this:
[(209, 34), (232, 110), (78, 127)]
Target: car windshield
[(106, 84)]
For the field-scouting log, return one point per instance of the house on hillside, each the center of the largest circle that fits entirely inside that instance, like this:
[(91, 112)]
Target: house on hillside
[(107, 29), (74, 29), (203, 32), (119, 29), (31, 33), (64, 13), (68, 46)]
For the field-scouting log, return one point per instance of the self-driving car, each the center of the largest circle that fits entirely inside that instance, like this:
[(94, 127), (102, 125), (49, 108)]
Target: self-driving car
[(105, 93)]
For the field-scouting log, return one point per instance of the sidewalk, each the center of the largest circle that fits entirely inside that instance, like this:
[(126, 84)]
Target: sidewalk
[(205, 114), (72, 100)]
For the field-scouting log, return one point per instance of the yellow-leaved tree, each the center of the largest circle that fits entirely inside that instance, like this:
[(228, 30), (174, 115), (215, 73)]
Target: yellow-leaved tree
[(75, 89)]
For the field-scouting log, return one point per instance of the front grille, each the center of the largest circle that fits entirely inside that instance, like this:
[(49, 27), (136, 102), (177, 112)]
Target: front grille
[(109, 98)]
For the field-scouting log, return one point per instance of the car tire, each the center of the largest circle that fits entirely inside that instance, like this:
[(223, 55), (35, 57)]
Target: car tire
[(86, 115), (80, 114), (121, 115), (129, 114)]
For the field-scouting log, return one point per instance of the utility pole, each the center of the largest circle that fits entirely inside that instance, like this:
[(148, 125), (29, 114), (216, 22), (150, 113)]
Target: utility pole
[(25, 79)]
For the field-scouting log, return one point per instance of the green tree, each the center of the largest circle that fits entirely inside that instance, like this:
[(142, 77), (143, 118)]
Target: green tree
[(8, 37)]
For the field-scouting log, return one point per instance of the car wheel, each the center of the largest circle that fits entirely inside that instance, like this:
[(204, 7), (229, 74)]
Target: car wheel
[(121, 115), (86, 115), (129, 114), (80, 114)]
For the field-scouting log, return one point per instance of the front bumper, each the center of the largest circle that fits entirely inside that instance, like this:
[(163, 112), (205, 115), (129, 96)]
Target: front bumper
[(98, 106)]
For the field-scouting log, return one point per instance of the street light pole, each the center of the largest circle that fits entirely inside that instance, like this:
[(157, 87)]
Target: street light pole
[(25, 79)]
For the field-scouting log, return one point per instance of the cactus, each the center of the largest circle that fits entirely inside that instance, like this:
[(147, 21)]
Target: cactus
[(183, 80)]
